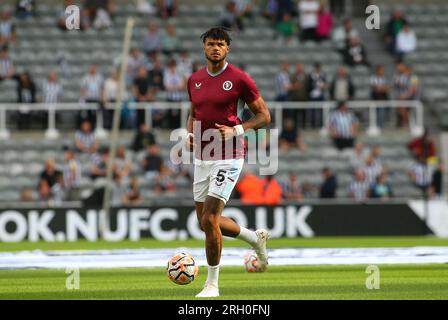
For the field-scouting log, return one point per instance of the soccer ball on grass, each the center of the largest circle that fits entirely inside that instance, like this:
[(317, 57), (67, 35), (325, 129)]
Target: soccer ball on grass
[(182, 269)]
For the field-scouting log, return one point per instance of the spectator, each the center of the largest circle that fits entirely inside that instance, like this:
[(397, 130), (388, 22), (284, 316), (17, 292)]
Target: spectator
[(119, 189), (143, 138), (244, 8), (155, 169), (284, 6), (135, 61), (155, 76), (230, 19), (48, 178), (436, 189), (174, 83), (410, 91), (98, 10), (289, 137), (298, 92), (272, 192), (168, 8), (343, 127), (26, 93), (317, 85), (58, 192), (7, 29), (109, 97), (52, 89), (152, 40), (393, 28), (371, 170), (132, 195), (143, 92), (381, 189), (282, 83), (185, 64), (85, 140), (376, 155), (379, 90), (286, 30), (98, 169), (25, 8), (355, 53), (406, 41), (329, 185), (250, 188), (342, 34), (6, 65), (342, 87), (324, 23), (420, 174), (170, 41), (123, 162), (91, 91), (72, 174), (271, 11), (358, 156), (291, 188), (308, 13), (422, 146), (359, 188)]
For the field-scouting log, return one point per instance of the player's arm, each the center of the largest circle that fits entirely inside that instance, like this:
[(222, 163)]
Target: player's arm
[(261, 118), (189, 139)]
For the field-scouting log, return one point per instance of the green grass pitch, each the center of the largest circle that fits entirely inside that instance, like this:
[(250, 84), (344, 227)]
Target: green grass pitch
[(279, 283)]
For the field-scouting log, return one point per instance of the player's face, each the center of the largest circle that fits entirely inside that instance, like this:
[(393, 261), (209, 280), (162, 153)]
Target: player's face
[(215, 50)]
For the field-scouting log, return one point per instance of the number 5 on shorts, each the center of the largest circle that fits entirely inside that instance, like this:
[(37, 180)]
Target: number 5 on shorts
[(220, 177)]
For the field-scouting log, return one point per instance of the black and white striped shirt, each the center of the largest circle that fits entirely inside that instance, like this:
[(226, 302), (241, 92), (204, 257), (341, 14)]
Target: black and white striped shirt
[(5, 67), (422, 174), (51, 92), (359, 190), (93, 84), (173, 79), (87, 139), (342, 123), (372, 172), (377, 81)]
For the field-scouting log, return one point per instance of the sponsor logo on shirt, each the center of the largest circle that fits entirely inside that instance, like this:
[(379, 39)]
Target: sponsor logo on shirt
[(198, 85)]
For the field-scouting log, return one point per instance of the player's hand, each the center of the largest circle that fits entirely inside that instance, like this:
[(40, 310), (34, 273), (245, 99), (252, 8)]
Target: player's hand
[(225, 131)]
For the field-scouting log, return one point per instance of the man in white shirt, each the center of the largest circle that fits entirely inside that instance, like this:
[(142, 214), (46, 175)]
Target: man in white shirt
[(308, 10), (91, 91), (406, 41)]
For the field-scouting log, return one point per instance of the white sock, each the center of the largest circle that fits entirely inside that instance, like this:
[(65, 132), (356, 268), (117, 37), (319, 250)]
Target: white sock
[(248, 235), (213, 275)]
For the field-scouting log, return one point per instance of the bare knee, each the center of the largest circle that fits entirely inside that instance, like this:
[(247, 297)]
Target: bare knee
[(209, 222)]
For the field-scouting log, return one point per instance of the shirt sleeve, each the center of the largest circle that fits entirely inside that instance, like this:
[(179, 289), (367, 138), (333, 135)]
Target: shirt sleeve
[(250, 91), (188, 87)]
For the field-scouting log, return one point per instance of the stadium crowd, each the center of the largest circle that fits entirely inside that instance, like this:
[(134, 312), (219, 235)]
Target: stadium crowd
[(147, 76)]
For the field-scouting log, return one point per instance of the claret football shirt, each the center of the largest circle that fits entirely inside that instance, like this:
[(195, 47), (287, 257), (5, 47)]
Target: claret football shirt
[(220, 98)]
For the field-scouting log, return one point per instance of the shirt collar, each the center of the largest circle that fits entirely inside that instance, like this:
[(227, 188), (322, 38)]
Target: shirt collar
[(219, 72)]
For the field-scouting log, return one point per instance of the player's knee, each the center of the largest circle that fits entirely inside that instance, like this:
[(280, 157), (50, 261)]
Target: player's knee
[(208, 222)]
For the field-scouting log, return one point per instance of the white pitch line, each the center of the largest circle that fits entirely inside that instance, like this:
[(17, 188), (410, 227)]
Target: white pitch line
[(141, 258)]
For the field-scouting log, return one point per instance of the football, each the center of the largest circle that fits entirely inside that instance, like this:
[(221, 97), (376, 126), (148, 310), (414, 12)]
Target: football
[(251, 263), (182, 269)]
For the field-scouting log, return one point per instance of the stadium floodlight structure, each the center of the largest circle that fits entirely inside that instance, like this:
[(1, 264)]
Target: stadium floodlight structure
[(104, 221)]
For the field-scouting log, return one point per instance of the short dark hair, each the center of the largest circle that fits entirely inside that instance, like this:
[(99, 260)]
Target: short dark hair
[(217, 33)]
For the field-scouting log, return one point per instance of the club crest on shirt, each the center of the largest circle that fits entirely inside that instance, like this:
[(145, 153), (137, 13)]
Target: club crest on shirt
[(198, 85), (227, 85)]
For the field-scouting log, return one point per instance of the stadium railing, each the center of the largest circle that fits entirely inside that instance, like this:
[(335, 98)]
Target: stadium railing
[(372, 128)]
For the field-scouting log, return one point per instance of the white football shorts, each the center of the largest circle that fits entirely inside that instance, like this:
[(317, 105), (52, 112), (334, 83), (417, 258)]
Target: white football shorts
[(215, 178)]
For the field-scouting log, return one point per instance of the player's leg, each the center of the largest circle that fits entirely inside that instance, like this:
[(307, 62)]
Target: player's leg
[(212, 210), (224, 176)]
